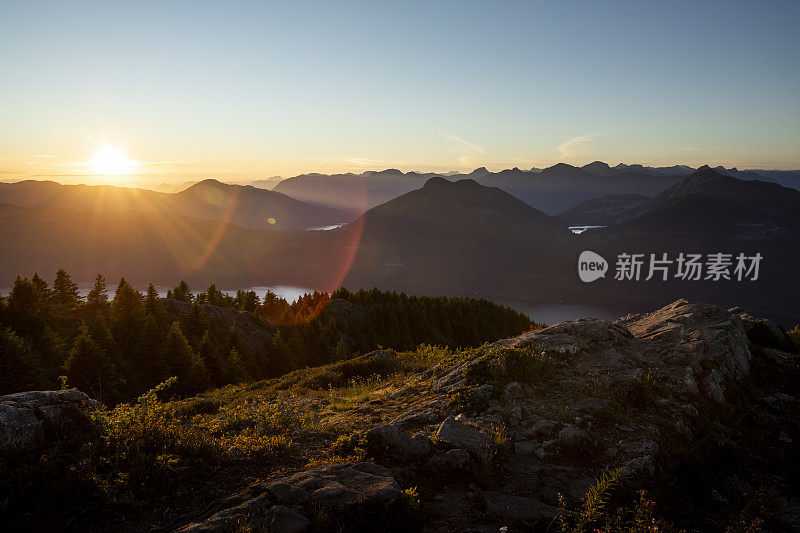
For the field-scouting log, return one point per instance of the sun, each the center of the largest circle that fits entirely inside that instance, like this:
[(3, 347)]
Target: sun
[(111, 161)]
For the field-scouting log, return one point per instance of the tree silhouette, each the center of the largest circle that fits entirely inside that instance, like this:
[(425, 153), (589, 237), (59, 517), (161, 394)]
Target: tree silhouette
[(65, 292), (87, 366), (98, 296)]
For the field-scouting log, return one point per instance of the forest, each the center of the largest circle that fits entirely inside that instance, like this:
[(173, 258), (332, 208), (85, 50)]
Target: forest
[(115, 347)]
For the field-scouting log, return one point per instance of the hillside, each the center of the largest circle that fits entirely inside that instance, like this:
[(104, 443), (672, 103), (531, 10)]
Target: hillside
[(603, 211), (561, 186), (252, 207), (451, 235), (244, 206), (352, 192), (691, 403)]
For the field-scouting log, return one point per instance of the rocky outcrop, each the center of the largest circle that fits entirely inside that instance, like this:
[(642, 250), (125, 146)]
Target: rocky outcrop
[(29, 420), (495, 446), (284, 504)]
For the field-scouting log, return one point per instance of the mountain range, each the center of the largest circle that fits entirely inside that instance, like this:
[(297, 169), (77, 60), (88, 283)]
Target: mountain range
[(245, 206), (448, 236)]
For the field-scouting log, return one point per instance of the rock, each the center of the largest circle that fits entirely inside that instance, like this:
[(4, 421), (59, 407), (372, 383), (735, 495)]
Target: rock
[(331, 488), (388, 441), (463, 436), (485, 391), (365, 483), (450, 380), (285, 520), (415, 418), (571, 437), (525, 447), (542, 429), (511, 507), (258, 513), (591, 404), (32, 419), (713, 341), (456, 461), (514, 391)]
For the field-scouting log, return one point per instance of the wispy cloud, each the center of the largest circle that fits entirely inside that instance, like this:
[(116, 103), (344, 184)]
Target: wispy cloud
[(579, 146), (364, 162), (468, 154)]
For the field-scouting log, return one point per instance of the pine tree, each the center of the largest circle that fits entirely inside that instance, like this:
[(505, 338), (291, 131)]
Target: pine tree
[(149, 358), (19, 365), (127, 303), (26, 312), (88, 367), (183, 362), (181, 293), (236, 369), (153, 305), (65, 292), (41, 286), (98, 296), (212, 359), (341, 352), (196, 323)]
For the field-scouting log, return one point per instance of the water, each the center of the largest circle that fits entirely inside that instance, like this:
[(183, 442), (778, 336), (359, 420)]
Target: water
[(580, 229), (327, 228)]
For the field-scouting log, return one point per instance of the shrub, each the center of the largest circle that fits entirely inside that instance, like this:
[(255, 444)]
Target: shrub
[(145, 447)]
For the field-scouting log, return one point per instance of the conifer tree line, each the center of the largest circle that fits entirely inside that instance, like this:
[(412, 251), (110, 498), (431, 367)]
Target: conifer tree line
[(114, 347)]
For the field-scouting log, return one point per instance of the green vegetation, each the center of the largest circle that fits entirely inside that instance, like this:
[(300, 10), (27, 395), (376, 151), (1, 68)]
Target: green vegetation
[(114, 350)]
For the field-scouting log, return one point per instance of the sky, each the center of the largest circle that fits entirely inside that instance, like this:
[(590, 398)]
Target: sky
[(248, 90)]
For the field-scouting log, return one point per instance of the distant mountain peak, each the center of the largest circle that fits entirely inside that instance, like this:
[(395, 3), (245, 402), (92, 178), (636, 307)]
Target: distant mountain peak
[(561, 166), (479, 172)]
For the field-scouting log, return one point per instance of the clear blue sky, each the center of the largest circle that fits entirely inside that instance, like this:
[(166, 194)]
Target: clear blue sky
[(252, 89)]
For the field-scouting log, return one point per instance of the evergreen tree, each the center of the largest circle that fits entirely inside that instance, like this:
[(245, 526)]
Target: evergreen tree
[(247, 301), (19, 365), (236, 368), (149, 358), (88, 367), (26, 312), (212, 359), (181, 293), (127, 303), (41, 286), (98, 296), (65, 292), (341, 352), (196, 323), (153, 305), (183, 362)]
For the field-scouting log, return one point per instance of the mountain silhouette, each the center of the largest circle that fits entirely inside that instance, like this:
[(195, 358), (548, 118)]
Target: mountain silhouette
[(245, 206)]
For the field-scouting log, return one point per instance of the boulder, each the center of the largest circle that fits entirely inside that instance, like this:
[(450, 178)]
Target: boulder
[(463, 436), (542, 429), (32, 419), (456, 461), (388, 441), (571, 437)]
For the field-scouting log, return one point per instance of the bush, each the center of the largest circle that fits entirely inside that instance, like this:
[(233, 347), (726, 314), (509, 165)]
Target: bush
[(146, 448)]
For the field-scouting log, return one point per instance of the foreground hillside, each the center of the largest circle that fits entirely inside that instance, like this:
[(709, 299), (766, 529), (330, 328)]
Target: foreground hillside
[(691, 403)]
